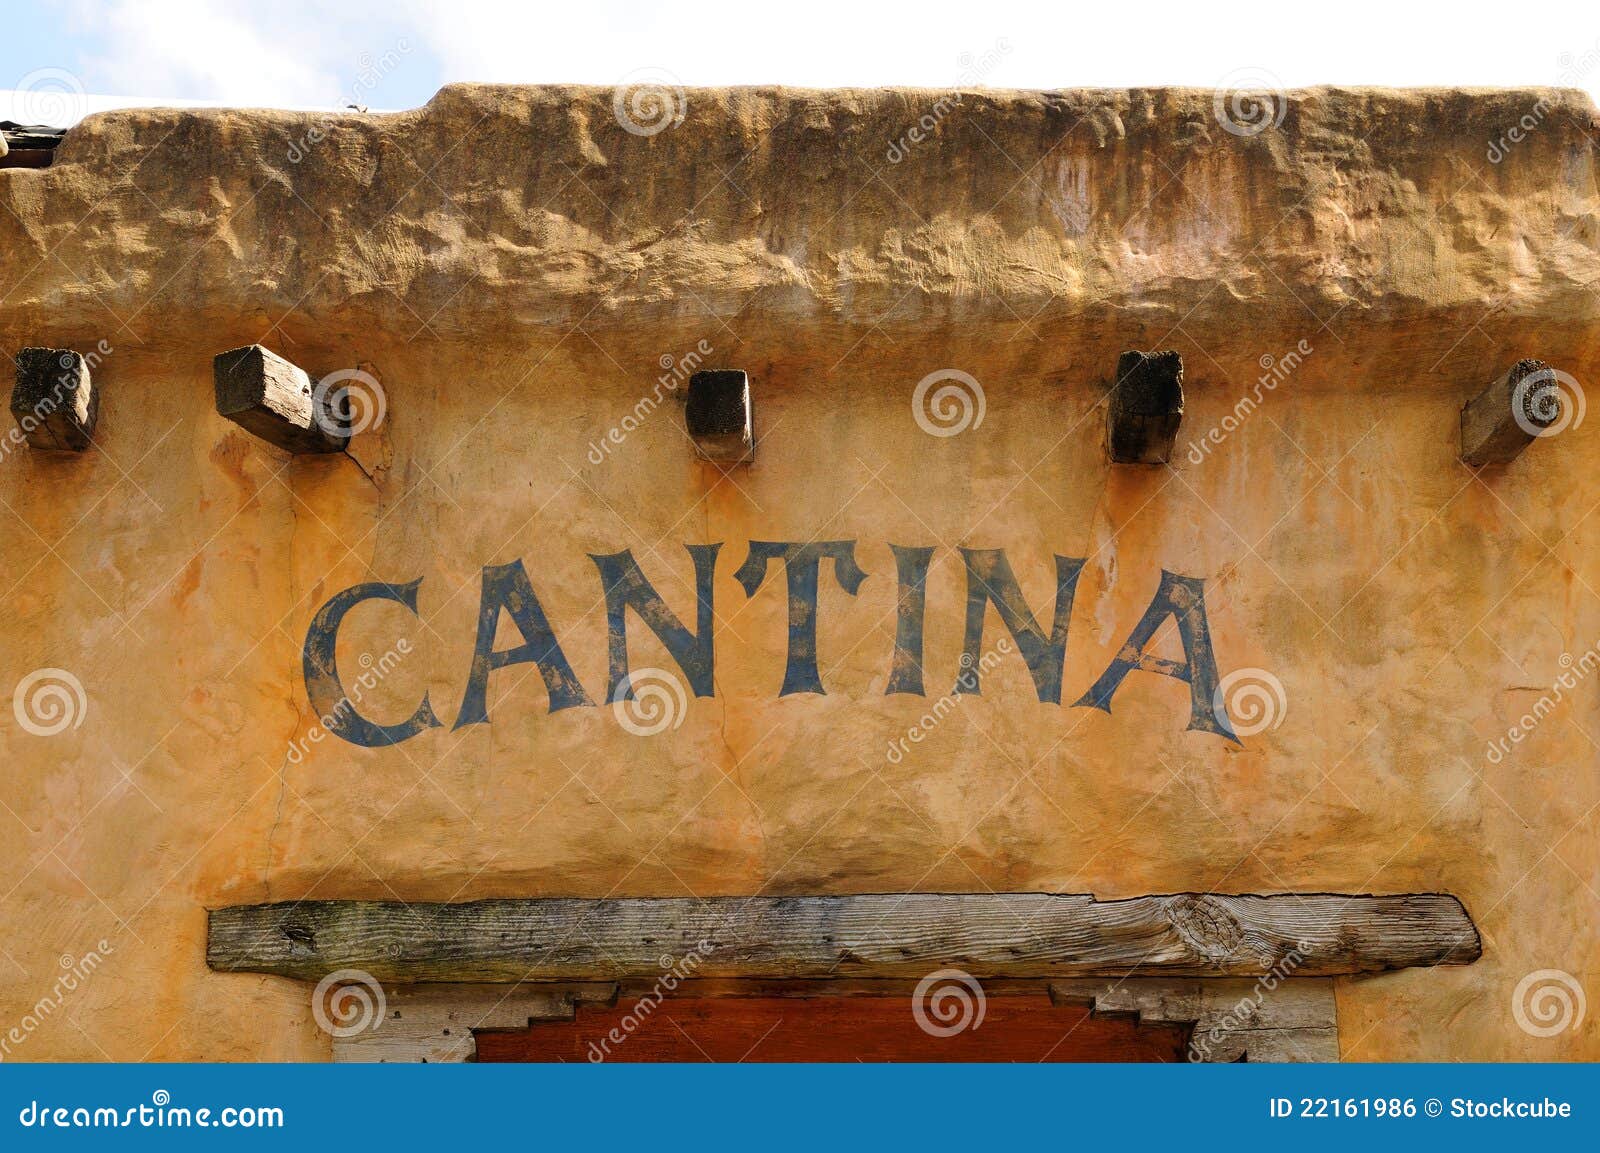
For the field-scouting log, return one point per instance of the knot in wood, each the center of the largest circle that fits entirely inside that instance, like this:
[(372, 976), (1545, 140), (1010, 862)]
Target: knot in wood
[(1205, 925)]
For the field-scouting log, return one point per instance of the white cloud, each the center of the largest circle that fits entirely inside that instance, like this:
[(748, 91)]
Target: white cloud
[(276, 54), (301, 53), (851, 42)]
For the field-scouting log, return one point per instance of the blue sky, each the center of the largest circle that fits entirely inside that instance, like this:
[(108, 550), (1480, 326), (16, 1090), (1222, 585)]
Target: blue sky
[(396, 54)]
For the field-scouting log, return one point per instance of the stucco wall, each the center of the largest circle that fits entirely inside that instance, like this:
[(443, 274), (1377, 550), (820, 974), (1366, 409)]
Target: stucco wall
[(513, 266)]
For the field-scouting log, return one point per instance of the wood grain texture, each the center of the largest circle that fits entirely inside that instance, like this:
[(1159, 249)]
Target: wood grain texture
[(987, 935), (1232, 1019), (55, 403), (1506, 417), (435, 1023), (1146, 407), (273, 399)]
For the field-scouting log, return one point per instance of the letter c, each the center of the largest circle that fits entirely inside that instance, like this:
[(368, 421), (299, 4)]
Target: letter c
[(326, 691)]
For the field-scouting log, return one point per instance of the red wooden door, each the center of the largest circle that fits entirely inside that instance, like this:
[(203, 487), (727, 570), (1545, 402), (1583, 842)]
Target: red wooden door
[(857, 1028)]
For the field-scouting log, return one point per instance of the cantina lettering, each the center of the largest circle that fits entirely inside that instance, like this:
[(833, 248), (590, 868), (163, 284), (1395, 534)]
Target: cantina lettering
[(506, 590)]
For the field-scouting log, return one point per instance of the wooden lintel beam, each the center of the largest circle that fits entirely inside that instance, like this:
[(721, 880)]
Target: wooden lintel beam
[(880, 935)]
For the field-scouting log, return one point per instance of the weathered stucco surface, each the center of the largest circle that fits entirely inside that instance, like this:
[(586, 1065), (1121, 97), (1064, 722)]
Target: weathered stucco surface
[(513, 265)]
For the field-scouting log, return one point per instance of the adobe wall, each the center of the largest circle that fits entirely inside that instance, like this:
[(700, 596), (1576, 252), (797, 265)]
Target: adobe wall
[(515, 267)]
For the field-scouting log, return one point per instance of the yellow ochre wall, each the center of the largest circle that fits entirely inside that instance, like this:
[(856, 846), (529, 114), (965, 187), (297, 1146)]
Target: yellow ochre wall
[(513, 264)]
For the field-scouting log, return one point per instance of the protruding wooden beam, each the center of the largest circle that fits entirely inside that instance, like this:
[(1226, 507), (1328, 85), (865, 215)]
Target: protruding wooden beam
[(28, 146), (1146, 407), (1510, 414), (54, 400), (879, 935), (719, 415), (267, 396)]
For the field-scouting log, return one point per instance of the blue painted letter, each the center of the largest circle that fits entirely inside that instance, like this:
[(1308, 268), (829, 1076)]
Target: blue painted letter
[(911, 570), (1183, 599), (801, 562), (326, 691), (506, 587), (626, 587), (989, 578)]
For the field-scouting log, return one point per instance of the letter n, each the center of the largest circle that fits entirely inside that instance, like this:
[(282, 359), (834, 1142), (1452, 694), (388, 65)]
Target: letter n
[(626, 587), (506, 587), (989, 579), (1183, 599)]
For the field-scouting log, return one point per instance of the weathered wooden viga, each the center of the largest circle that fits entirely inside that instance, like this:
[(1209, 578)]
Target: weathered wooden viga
[(877, 935)]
